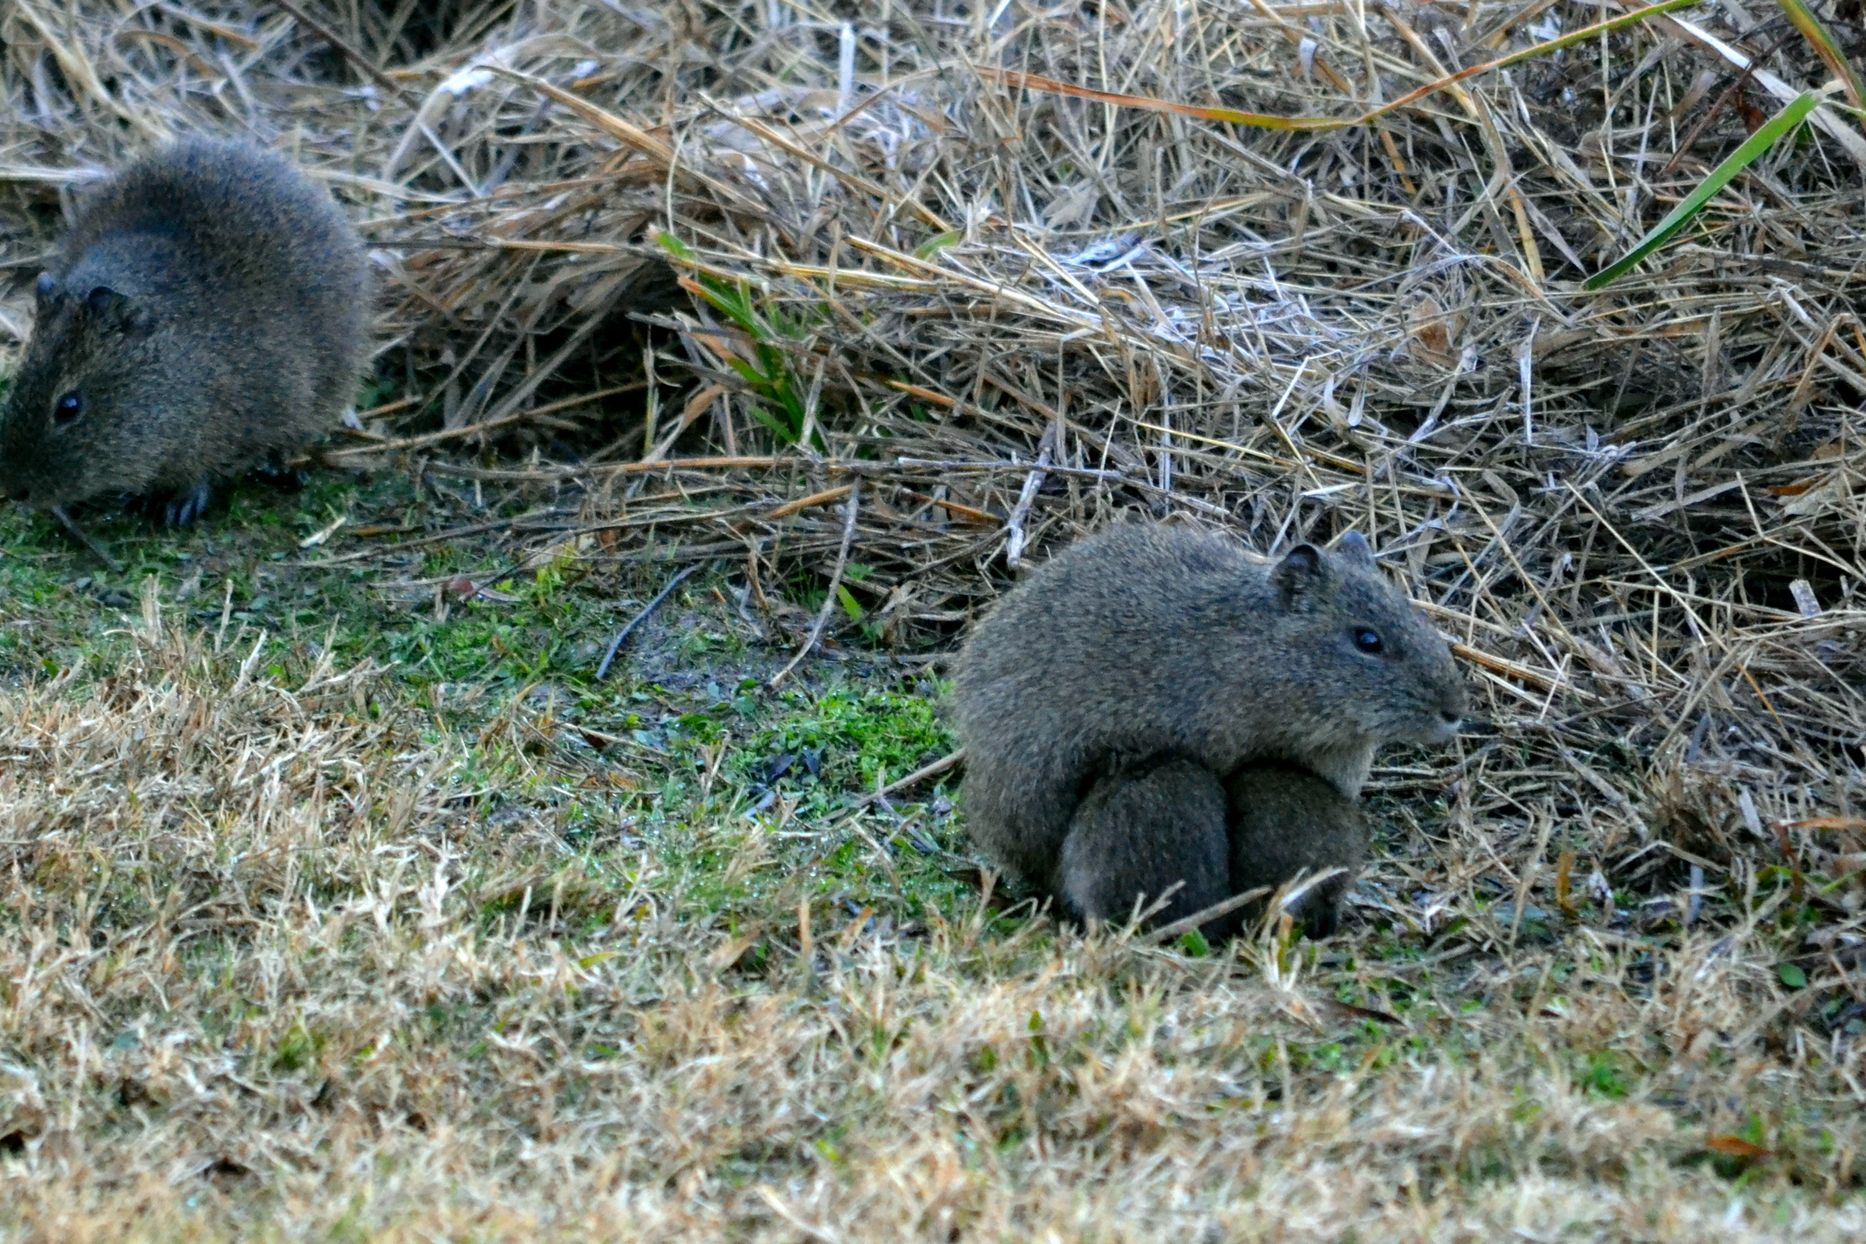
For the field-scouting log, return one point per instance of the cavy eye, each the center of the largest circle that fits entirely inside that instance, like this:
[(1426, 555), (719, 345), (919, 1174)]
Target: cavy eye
[(1368, 640), (68, 407)]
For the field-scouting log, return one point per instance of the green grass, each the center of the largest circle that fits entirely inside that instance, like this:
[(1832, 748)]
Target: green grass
[(710, 769)]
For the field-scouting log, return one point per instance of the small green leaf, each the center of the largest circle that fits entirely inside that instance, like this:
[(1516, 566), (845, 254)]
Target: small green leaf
[(747, 372), (933, 246), (1792, 976), (673, 245), (777, 427)]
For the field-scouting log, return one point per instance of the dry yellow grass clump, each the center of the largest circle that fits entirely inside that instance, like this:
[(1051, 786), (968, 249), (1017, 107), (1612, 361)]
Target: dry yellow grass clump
[(344, 899)]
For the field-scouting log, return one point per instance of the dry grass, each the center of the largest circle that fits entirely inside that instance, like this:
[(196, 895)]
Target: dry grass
[(270, 970)]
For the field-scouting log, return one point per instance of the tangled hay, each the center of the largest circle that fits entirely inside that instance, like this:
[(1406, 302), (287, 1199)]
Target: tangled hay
[(836, 291)]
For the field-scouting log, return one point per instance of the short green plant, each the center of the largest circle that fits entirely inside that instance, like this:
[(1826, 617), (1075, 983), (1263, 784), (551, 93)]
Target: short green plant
[(765, 367)]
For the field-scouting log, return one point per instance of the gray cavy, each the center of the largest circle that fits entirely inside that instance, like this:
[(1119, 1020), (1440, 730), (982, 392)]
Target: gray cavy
[(1108, 700), (207, 313)]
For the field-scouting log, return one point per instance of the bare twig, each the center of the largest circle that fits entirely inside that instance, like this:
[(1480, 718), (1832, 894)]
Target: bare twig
[(654, 602), (850, 509)]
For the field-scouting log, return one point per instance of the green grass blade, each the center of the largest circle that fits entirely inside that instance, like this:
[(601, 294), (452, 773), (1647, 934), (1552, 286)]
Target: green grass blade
[(1772, 132)]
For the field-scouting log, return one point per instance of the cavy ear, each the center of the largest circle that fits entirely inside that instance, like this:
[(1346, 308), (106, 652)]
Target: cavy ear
[(103, 301), (1353, 546), (1302, 570), (116, 311), (44, 287)]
